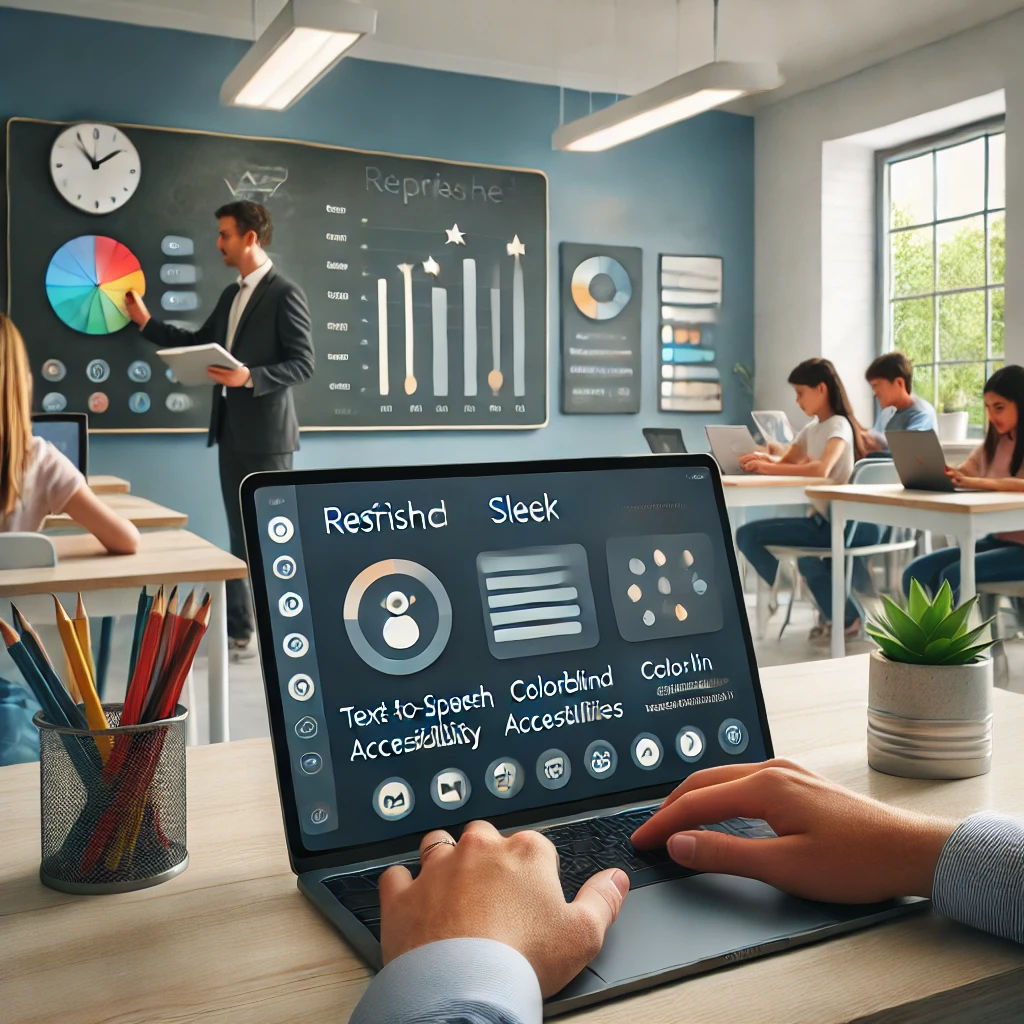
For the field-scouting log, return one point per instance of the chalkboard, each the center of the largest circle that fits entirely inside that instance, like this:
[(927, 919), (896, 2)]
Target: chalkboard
[(427, 280)]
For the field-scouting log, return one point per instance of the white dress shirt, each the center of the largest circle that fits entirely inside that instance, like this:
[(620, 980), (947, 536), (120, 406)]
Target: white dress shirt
[(246, 286)]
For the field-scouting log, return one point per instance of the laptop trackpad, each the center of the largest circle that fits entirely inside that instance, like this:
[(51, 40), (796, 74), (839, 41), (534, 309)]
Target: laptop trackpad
[(675, 923)]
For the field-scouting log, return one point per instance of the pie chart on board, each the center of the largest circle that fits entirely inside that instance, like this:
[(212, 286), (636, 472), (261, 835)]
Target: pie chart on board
[(86, 283)]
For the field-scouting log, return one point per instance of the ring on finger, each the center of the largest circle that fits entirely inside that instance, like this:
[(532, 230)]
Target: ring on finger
[(440, 842)]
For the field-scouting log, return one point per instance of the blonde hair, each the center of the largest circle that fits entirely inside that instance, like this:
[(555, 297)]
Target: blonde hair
[(15, 414)]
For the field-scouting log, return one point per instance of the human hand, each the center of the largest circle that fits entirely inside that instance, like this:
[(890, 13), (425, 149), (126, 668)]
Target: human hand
[(136, 308), (976, 483), (755, 462), (229, 378), (832, 844), (507, 889), (775, 447)]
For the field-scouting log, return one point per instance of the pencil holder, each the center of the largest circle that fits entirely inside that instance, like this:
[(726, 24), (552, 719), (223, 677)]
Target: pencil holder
[(112, 804)]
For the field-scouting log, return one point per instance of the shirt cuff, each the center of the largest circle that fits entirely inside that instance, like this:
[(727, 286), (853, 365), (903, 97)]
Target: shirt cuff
[(248, 383), (979, 878), (475, 981)]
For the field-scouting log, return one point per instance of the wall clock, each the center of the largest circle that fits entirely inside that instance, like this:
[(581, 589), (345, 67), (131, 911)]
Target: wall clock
[(95, 167)]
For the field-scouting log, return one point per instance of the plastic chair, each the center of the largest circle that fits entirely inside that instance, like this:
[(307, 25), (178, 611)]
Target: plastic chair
[(866, 471), (26, 551)]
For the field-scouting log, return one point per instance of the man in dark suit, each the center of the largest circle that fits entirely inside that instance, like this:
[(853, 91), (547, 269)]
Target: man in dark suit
[(263, 320)]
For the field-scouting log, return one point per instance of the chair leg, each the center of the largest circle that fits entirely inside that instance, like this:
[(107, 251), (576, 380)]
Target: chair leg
[(792, 595)]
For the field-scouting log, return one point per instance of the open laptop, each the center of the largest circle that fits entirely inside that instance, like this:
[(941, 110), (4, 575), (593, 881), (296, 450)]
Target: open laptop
[(548, 645), (66, 431), (728, 444), (665, 440), (920, 460), (774, 425)]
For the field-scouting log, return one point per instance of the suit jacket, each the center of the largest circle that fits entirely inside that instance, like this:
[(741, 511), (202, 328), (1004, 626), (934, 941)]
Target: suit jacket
[(275, 340)]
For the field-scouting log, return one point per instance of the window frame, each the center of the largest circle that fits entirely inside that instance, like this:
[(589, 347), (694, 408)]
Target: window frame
[(883, 160)]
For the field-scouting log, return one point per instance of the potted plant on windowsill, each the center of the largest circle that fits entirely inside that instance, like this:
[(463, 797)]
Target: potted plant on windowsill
[(929, 690)]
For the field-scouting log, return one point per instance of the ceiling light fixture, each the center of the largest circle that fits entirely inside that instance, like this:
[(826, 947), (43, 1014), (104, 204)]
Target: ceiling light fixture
[(682, 97), (295, 51)]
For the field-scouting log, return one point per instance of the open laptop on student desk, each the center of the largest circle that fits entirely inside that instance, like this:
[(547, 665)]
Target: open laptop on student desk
[(665, 440), (920, 460), (728, 443), (550, 644)]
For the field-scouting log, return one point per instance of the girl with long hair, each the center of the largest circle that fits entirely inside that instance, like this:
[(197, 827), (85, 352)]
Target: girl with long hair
[(997, 464), (827, 447)]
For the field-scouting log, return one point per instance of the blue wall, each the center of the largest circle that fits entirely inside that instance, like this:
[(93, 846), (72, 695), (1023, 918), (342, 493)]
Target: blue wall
[(687, 189)]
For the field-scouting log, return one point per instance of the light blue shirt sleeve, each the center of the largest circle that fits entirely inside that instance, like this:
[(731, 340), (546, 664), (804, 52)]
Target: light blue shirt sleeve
[(919, 416), (455, 981), (979, 879)]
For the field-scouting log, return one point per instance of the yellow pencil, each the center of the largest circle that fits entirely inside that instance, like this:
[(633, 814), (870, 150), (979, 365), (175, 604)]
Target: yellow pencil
[(80, 671), (81, 621)]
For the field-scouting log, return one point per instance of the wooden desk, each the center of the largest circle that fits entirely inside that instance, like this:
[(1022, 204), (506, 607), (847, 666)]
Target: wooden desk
[(112, 583), (145, 514), (752, 489), (231, 939), (967, 515), (104, 484)]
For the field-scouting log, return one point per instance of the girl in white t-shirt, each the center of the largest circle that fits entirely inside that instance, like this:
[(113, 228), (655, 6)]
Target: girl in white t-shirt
[(827, 447)]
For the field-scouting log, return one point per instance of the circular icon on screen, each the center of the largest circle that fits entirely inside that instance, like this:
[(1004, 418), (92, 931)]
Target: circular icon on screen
[(320, 814), (393, 799), (280, 530), (284, 567), (54, 401), (99, 402), (553, 768), (647, 751), (139, 402), (289, 605), (306, 728), (733, 736), (398, 616), (601, 288), (450, 789), (690, 743), (54, 369), (295, 645), (504, 778), (601, 759), (311, 762), (300, 687), (139, 371), (98, 370), (178, 402)]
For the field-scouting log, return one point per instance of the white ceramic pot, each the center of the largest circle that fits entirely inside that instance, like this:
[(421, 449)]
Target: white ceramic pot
[(929, 721), (952, 426)]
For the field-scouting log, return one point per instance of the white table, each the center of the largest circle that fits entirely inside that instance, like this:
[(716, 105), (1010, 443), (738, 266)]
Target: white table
[(966, 515)]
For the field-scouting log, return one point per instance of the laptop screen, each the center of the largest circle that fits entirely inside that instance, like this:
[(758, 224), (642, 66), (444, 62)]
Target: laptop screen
[(64, 433), (441, 648)]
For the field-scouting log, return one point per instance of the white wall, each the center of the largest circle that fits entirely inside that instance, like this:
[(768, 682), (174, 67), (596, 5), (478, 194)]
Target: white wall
[(806, 225)]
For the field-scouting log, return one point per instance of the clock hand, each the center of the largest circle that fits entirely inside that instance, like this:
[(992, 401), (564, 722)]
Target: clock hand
[(81, 146), (103, 160)]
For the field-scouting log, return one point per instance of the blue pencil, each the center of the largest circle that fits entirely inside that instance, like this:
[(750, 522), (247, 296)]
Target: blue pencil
[(141, 618)]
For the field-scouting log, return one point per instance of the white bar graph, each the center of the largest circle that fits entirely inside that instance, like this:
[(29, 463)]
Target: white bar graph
[(439, 313), (410, 376), (469, 340), (382, 334)]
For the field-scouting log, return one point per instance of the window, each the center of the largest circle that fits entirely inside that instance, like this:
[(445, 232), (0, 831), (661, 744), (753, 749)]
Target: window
[(943, 205)]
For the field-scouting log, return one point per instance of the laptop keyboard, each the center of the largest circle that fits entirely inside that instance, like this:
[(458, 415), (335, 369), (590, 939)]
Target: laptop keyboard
[(584, 848)]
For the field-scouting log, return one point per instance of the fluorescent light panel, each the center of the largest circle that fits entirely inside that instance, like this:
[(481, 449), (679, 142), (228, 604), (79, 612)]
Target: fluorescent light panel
[(685, 96), (296, 50)]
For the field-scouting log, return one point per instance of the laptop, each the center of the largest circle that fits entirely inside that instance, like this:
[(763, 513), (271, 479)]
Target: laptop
[(550, 645), (728, 444), (920, 460), (774, 425), (68, 432), (665, 440)]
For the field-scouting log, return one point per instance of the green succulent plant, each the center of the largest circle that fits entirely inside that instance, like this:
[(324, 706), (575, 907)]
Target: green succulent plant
[(929, 632)]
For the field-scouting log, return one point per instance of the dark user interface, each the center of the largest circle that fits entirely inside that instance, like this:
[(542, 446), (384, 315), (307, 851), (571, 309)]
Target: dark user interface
[(467, 647)]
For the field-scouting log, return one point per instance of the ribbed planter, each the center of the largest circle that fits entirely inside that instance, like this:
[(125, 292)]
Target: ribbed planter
[(929, 721)]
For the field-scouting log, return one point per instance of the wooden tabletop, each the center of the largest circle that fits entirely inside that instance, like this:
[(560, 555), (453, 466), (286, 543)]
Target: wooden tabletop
[(764, 480), (231, 939), (957, 503), (145, 514), (164, 556), (104, 484)]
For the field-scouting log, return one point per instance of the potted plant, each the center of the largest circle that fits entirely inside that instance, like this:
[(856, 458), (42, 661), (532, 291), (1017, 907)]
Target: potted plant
[(929, 690)]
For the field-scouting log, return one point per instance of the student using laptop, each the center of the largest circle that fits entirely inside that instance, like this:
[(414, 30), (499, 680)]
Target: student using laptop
[(891, 377), (493, 905), (827, 447), (995, 465)]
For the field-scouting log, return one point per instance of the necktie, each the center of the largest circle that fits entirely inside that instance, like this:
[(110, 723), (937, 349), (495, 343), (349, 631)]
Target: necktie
[(236, 314)]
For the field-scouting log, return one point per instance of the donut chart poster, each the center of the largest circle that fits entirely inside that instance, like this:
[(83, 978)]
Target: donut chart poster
[(427, 280), (601, 288)]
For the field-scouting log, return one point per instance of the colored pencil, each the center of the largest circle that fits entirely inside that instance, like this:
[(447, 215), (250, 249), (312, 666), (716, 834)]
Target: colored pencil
[(81, 623), (93, 709), (141, 616)]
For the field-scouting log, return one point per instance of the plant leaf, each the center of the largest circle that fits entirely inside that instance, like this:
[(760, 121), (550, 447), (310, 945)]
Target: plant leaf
[(954, 624), (938, 649), (905, 629), (962, 642), (965, 657), (895, 651), (939, 609), (918, 602)]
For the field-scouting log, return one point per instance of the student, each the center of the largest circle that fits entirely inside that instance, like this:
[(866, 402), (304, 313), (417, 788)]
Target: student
[(826, 447), (36, 480), (493, 905), (891, 377), (995, 465)]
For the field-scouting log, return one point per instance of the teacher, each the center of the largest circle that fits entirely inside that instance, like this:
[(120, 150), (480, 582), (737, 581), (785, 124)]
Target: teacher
[(263, 321)]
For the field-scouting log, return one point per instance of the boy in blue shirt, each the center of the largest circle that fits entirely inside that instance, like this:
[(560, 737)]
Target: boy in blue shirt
[(891, 379)]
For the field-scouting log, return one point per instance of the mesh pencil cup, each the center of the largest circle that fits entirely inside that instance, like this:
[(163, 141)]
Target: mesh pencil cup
[(112, 804)]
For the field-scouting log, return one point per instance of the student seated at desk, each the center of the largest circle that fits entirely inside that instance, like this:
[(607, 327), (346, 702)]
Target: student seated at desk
[(995, 465), (891, 377), (493, 906), (37, 480), (826, 447)]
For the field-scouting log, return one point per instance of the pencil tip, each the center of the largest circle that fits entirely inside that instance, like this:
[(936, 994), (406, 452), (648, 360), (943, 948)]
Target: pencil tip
[(9, 634)]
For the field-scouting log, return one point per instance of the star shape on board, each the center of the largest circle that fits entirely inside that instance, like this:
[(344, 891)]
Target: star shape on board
[(405, 268), (431, 266), (515, 247), (455, 235)]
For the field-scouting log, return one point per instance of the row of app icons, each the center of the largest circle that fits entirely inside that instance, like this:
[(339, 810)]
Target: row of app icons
[(451, 788)]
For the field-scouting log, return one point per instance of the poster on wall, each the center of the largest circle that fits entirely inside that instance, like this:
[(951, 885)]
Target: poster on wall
[(689, 303), (427, 280), (600, 301)]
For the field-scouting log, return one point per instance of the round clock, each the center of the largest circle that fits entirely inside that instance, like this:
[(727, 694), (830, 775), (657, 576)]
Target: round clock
[(95, 167)]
